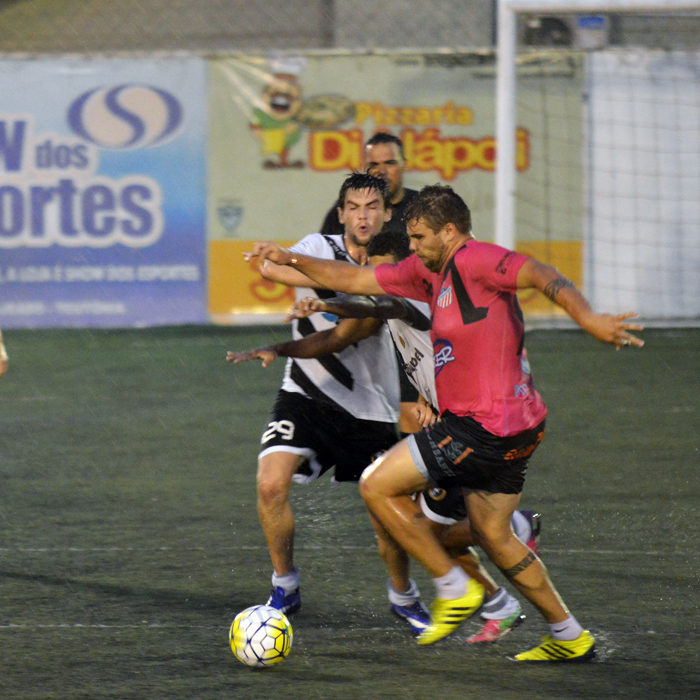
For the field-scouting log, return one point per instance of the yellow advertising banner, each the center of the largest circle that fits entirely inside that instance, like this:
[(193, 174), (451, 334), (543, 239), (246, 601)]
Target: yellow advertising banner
[(285, 132), (236, 287)]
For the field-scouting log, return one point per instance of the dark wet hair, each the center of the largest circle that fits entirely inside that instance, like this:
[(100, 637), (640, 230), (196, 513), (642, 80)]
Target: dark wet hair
[(391, 242), (386, 137), (437, 206), (364, 181)]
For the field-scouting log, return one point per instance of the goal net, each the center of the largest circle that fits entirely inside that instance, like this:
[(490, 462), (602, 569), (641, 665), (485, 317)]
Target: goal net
[(613, 192)]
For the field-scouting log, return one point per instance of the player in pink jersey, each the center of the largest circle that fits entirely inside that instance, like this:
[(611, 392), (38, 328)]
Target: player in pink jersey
[(492, 419)]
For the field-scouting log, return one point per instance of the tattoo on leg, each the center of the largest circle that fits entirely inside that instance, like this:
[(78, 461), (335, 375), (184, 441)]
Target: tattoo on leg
[(551, 291), (511, 573)]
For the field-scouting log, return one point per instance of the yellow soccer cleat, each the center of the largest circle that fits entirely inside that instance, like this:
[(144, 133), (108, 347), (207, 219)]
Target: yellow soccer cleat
[(579, 650), (446, 615)]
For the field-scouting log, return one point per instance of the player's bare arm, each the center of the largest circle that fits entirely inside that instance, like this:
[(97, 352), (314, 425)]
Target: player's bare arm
[(329, 274), (347, 306), (317, 344), (286, 275), (306, 307), (613, 329)]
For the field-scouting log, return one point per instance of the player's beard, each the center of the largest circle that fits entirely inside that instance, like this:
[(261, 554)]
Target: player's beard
[(356, 241), (432, 265), (432, 262)]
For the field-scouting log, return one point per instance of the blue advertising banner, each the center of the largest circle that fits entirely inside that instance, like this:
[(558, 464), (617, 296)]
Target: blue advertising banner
[(102, 192)]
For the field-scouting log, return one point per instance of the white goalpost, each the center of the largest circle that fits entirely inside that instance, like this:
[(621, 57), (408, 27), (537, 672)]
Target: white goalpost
[(639, 152)]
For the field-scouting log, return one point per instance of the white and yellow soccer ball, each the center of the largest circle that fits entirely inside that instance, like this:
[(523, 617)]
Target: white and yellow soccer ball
[(260, 636)]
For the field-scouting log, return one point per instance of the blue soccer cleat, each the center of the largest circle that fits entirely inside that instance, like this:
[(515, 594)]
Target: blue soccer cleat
[(415, 614), (286, 603)]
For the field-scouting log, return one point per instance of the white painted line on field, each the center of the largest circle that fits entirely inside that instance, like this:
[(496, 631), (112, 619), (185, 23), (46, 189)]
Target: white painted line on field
[(298, 633), (368, 548), (29, 398)]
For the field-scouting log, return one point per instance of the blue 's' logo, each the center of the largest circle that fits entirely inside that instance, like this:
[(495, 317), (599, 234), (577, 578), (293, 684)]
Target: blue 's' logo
[(442, 354), (125, 117)]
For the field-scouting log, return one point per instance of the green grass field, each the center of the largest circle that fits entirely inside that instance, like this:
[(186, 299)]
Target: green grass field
[(129, 537)]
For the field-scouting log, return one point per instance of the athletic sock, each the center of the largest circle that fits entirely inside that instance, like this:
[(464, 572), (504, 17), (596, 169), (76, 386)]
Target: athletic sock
[(500, 607), (288, 582), (521, 526), (403, 599), (566, 631), (452, 585)]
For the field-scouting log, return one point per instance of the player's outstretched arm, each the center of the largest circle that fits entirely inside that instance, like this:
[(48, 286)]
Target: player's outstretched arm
[(348, 306), (268, 355), (329, 274), (613, 329), (317, 344), (3, 357), (283, 274)]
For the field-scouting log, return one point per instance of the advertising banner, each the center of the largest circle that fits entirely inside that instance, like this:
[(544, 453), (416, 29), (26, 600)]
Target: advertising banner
[(286, 131), (102, 192)]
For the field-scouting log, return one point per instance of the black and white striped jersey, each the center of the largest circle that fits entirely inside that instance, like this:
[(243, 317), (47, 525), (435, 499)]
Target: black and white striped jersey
[(363, 378), (411, 337)]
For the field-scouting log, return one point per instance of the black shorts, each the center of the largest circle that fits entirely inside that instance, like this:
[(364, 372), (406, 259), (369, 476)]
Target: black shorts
[(458, 451), (444, 506), (326, 436)]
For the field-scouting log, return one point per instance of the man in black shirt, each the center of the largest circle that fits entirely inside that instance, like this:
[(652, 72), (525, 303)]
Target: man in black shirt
[(384, 158)]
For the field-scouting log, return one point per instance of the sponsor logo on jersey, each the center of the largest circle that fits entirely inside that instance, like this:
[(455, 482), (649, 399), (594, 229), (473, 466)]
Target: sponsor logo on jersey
[(445, 297), (412, 364), (442, 354), (521, 390)]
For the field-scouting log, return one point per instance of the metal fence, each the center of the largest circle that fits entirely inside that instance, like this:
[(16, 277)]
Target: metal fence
[(210, 26)]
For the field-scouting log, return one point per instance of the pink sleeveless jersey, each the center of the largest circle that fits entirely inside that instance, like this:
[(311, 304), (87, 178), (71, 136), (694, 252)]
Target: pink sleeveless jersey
[(481, 367)]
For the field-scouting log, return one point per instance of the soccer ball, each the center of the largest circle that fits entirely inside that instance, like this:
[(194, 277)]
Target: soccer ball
[(260, 636)]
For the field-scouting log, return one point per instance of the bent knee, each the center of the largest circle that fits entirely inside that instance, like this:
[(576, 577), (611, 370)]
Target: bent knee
[(366, 485), (272, 492), (273, 484)]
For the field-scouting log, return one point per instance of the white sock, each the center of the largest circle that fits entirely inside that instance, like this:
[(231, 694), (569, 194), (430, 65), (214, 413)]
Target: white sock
[(521, 526), (403, 599), (566, 631), (500, 607), (289, 582), (452, 585)]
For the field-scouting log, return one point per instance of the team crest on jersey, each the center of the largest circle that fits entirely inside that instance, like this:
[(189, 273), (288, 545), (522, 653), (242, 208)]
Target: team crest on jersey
[(442, 354), (445, 297)]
